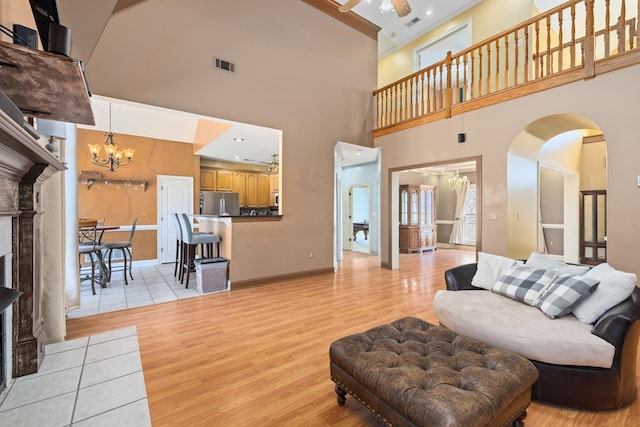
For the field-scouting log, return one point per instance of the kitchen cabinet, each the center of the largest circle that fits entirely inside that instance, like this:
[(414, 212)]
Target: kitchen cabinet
[(255, 189), (224, 180), (264, 193), (417, 218), (239, 186), (252, 190), (207, 179)]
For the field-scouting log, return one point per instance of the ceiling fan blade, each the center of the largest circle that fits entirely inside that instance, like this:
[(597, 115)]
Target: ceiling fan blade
[(348, 5), (402, 7)]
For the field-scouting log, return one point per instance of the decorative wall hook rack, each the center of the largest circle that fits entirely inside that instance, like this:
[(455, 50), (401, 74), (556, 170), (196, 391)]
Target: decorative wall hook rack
[(108, 181)]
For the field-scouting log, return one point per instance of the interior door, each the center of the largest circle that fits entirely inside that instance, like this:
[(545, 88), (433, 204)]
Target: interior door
[(175, 195), (347, 220)]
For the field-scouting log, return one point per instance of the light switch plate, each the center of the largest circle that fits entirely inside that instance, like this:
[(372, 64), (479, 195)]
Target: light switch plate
[(493, 215)]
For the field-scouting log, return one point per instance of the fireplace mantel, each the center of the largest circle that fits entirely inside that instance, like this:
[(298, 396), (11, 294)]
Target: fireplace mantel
[(24, 166)]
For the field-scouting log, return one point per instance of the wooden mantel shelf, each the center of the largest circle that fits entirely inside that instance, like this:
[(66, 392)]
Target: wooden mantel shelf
[(45, 85)]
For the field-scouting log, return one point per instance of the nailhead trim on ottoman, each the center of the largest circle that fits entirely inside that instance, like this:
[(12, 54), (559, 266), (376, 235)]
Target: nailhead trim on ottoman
[(412, 373)]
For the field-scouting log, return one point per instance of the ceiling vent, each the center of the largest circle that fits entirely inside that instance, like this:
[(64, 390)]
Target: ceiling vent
[(413, 22), (225, 65)]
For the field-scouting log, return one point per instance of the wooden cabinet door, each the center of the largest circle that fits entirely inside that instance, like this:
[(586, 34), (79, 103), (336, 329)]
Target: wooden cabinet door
[(239, 186), (224, 181), (275, 182), (252, 190), (264, 185), (207, 179)]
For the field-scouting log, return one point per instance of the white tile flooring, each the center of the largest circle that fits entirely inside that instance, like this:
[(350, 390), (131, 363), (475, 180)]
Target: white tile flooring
[(150, 285), (94, 381)]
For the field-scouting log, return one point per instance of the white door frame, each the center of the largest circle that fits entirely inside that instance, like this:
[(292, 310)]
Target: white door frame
[(163, 218)]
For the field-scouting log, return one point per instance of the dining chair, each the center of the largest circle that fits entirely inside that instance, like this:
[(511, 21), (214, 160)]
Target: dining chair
[(89, 245), (190, 242), (125, 247)]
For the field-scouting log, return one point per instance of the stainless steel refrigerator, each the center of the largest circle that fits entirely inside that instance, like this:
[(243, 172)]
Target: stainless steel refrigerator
[(219, 203)]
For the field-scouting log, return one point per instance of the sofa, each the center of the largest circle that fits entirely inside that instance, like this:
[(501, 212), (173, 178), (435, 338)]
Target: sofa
[(585, 351)]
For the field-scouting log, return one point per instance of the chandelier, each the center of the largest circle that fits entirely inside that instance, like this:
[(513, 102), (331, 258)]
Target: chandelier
[(114, 157), (456, 182)]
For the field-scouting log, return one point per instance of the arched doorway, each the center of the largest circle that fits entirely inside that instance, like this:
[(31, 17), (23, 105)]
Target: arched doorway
[(549, 163)]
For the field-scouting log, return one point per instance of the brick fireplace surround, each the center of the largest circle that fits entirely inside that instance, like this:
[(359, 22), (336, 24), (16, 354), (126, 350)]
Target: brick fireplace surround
[(24, 166)]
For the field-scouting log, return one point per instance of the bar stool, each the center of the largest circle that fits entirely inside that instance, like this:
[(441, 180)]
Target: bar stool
[(190, 241), (89, 245), (179, 252), (125, 247)]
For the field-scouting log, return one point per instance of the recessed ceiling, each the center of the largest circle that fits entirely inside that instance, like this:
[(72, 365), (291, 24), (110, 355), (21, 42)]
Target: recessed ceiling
[(425, 16)]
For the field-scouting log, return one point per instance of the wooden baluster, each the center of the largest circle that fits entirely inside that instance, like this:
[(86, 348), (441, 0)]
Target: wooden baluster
[(402, 100), (506, 61), (377, 101), (589, 42), (488, 68), (385, 107), (622, 34), (573, 36), (637, 30), (607, 29), (497, 84), (405, 96), (472, 77), (418, 101), (537, 54), (549, 53), (412, 97), (560, 39), (449, 89), (516, 61), (465, 85), (527, 60), (456, 96), (480, 71), (439, 98), (398, 103)]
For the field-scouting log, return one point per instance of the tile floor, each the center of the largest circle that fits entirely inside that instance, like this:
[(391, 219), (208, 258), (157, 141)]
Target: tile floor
[(94, 381), (150, 285)]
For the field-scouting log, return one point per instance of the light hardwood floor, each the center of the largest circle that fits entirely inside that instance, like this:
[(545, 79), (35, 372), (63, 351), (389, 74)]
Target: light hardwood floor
[(259, 356)]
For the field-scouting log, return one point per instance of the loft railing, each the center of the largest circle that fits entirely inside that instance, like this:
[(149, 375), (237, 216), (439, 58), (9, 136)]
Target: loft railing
[(576, 40)]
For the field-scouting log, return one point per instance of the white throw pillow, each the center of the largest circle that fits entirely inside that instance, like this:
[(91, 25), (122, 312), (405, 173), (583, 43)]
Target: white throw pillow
[(539, 260), (615, 286), (490, 269)]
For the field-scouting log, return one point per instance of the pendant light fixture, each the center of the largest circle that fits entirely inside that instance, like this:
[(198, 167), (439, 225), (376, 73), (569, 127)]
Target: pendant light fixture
[(114, 158)]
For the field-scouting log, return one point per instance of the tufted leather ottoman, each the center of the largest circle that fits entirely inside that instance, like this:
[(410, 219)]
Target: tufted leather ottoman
[(412, 373)]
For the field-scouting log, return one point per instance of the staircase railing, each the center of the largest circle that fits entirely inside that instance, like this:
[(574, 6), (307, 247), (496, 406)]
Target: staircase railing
[(576, 40)]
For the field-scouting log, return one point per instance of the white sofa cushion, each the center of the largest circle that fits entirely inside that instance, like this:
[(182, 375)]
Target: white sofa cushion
[(539, 260), (490, 268), (615, 286), (522, 329)]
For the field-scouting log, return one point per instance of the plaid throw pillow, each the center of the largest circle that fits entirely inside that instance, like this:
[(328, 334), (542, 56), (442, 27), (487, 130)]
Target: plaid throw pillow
[(564, 294), (523, 283)]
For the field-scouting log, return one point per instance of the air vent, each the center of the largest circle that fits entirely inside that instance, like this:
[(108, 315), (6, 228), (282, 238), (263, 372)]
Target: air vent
[(225, 65), (413, 22)]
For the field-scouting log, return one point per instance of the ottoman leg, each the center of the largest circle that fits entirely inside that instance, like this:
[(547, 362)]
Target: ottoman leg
[(519, 422), (342, 395)]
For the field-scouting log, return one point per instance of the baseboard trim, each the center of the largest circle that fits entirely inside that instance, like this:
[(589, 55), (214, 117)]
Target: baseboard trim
[(239, 284)]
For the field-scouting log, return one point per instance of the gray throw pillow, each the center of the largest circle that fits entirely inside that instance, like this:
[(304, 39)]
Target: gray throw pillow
[(564, 294), (523, 283)]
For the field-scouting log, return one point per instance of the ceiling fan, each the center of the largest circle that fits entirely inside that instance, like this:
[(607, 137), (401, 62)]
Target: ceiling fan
[(401, 7), (272, 166)]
